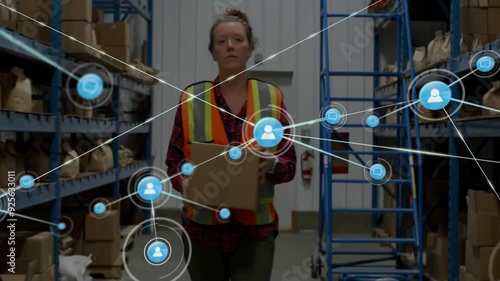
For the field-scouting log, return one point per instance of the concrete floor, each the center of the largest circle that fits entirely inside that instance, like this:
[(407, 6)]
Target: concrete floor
[(291, 263)]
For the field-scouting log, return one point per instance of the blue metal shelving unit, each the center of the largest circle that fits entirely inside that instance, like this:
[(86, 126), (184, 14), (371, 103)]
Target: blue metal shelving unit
[(458, 64), (408, 184), (20, 46)]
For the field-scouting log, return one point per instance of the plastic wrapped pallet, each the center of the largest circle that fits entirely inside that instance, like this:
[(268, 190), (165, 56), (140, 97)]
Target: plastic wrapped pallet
[(492, 99)]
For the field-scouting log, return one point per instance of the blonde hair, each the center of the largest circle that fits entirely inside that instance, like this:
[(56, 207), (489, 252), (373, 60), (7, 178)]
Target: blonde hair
[(233, 15)]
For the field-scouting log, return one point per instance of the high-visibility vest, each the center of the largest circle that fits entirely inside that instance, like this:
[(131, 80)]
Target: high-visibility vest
[(202, 123)]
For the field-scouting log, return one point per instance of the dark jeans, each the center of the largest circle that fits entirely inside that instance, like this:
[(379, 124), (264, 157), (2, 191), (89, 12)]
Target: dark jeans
[(251, 262)]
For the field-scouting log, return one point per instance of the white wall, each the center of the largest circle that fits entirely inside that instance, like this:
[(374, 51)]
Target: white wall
[(181, 32)]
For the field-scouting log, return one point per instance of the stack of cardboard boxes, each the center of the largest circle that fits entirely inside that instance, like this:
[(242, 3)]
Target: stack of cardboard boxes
[(38, 10), (483, 238), (114, 39), (77, 22), (436, 250), (34, 257), (102, 241), (480, 17)]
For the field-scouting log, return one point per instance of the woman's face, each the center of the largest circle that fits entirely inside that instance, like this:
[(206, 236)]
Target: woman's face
[(231, 48)]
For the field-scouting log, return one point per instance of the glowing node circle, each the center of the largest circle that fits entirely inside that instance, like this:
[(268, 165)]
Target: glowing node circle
[(235, 153), (427, 103), (27, 181), (150, 188), (485, 64), (170, 261), (435, 95), (187, 169), (268, 132), (90, 86), (225, 213), (377, 171), (333, 116), (372, 121), (61, 226), (99, 208)]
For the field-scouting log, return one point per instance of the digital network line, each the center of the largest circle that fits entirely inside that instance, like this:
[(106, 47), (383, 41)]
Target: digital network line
[(476, 105), (28, 218), (322, 151), (36, 53), (413, 151), (461, 78), (470, 151), (399, 109)]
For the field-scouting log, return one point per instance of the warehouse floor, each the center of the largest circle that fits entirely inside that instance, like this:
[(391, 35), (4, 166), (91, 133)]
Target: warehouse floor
[(291, 263)]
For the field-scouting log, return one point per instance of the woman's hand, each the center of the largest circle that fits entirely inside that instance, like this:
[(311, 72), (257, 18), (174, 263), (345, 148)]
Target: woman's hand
[(267, 161)]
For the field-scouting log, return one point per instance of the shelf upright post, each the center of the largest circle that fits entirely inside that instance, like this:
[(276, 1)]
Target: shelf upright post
[(55, 149), (454, 165)]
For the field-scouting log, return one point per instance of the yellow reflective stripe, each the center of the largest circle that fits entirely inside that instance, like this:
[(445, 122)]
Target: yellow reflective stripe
[(256, 100), (208, 112), (190, 104), (272, 92)]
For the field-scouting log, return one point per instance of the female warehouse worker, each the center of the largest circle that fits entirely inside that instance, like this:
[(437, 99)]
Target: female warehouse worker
[(241, 248)]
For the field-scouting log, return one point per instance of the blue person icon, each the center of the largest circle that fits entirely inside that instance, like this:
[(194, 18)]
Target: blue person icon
[(149, 188), (157, 252)]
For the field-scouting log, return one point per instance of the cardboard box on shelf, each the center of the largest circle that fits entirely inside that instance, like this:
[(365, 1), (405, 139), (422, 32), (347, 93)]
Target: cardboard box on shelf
[(119, 52), (113, 34), (41, 10), (474, 20), (81, 31), (39, 246), (493, 20), (77, 10), (35, 30), (488, 3), (473, 3), (104, 253), (483, 229), (106, 228), (478, 260)]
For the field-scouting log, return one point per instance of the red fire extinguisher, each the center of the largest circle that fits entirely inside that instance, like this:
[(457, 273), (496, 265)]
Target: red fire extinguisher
[(307, 163)]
